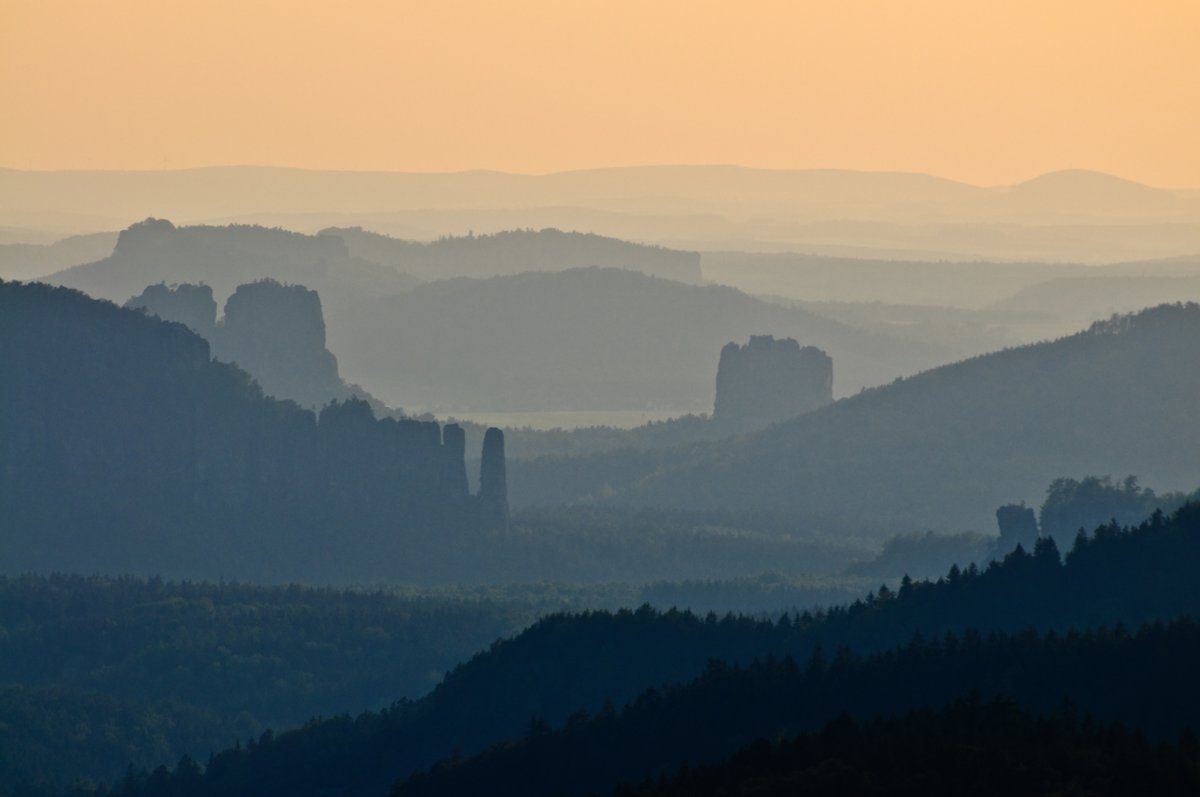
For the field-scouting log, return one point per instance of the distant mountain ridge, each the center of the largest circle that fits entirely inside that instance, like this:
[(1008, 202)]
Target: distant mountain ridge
[(515, 251), (195, 194), (26, 261), (1073, 215), (155, 250)]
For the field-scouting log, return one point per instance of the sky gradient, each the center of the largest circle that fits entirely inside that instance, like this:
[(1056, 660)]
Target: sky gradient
[(985, 92)]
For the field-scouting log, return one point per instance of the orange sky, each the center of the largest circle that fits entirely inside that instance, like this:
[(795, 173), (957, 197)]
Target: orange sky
[(987, 91)]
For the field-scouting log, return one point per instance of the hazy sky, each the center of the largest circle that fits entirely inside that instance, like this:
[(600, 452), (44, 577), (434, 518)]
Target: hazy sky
[(987, 91)]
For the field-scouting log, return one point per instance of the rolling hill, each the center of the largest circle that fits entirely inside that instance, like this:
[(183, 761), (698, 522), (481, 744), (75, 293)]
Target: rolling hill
[(584, 339), (515, 251), (25, 261), (942, 449)]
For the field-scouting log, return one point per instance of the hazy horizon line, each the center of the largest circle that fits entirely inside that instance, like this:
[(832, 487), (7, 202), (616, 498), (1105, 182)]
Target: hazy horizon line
[(584, 170)]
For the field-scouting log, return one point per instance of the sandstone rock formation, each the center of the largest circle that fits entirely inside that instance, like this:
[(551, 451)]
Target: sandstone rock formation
[(190, 305), (275, 332), (1018, 526), (770, 380), (454, 450), (493, 480)]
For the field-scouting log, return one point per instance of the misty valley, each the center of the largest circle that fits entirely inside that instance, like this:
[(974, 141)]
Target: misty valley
[(602, 494)]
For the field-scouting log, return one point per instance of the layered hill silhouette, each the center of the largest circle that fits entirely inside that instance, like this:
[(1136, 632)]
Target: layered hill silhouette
[(942, 449), (594, 338), (1071, 215), (1090, 297), (125, 447), (515, 251), (25, 261), (156, 251), (197, 194)]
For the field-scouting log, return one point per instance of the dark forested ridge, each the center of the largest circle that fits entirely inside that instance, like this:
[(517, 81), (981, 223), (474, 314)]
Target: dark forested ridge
[(983, 749), (567, 663), (729, 707), (117, 428), (101, 672), (514, 251), (942, 449)]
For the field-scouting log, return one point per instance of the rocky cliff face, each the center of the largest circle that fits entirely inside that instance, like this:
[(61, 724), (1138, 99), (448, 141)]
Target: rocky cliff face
[(277, 333), (770, 380), (454, 451), (493, 480), (1018, 526), (115, 425), (273, 331), (190, 305)]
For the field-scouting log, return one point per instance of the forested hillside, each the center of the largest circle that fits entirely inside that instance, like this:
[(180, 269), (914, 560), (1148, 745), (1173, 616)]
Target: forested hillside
[(985, 749), (942, 449), (727, 708), (567, 663), (101, 672)]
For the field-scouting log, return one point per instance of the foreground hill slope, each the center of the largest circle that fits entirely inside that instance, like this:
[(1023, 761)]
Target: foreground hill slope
[(986, 750), (941, 449), (726, 708), (567, 663), (593, 338)]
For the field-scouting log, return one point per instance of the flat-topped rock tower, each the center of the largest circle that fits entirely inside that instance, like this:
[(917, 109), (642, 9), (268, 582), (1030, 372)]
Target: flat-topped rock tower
[(770, 380)]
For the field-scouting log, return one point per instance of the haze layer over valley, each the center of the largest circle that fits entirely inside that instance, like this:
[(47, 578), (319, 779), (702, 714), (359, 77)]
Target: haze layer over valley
[(1068, 216)]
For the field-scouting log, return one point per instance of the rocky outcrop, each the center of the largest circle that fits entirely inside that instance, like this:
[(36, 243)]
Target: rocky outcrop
[(190, 305), (277, 333), (493, 480), (273, 331), (115, 425), (770, 380), (1018, 526), (454, 451)]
